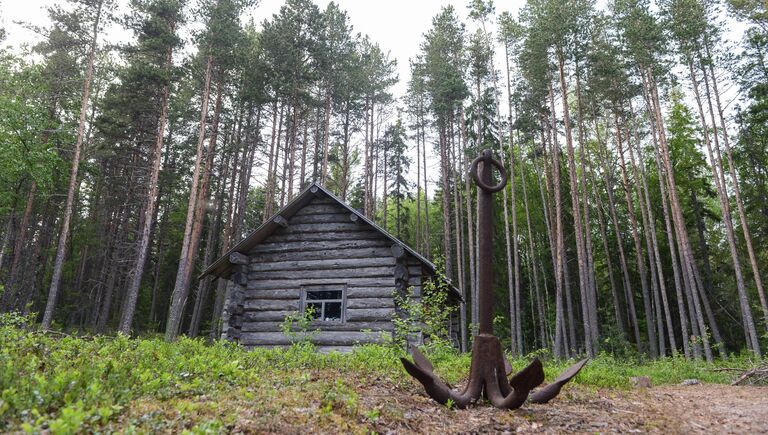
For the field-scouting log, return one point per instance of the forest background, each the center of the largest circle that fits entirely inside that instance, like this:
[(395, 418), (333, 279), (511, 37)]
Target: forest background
[(634, 134)]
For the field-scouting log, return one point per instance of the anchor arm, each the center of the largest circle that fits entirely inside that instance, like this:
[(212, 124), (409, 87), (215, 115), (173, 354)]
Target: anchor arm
[(437, 389), (549, 392)]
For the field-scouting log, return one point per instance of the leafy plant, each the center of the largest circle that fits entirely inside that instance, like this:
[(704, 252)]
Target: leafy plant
[(297, 326)]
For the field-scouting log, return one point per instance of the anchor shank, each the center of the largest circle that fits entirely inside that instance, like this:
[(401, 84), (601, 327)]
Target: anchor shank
[(485, 250)]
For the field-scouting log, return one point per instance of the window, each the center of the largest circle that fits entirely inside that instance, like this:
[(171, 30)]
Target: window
[(326, 302)]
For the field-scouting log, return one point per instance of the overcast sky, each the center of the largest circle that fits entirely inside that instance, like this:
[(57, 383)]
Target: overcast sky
[(397, 25)]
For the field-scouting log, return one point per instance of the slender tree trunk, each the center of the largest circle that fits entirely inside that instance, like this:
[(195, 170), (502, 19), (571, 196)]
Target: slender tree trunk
[(445, 174), (654, 264), (682, 235), (135, 275), (588, 246), (737, 193), (647, 308), (178, 297), (628, 291), (326, 136), (584, 291), (58, 264), (561, 348), (720, 184), (513, 249), (419, 241), (652, 243), (7, 235), (12, 283)]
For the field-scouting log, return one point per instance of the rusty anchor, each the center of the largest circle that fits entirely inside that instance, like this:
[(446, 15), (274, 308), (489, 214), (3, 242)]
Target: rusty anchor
[(489, 368)]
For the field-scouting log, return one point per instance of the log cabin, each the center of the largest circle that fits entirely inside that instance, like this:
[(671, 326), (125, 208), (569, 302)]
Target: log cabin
[(319, 253)]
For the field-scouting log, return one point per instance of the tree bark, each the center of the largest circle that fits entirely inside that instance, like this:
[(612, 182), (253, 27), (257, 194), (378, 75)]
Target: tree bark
[(58, 264), (136, 274), (178, 297)]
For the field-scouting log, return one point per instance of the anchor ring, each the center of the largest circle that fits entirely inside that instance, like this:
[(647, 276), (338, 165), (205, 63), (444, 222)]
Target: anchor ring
[(486, 158)]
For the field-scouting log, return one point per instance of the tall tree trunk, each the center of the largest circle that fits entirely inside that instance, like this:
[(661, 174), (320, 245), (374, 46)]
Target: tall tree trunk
[(652, 244), (58, 264), (658, 285), (721, 187), (682, 235), (584, 291), (326, 136), (513, 249), (561, 347), (627, 283), (12, 284), (589, 266), (178, 297), (426, 190), (136, 274), (647, 308), (737, 192)]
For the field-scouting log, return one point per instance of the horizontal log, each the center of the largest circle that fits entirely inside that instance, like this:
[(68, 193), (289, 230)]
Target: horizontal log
[(352, 315), (322, 198), (339, 274), (294, 293), (340, 217), (271, 304), (370, 292), (325, 226), (320, 338), (261, 283), (324, 326), (320, 208), (361, 234), (370, 303), (334, 263), (266, 316), (279, 294), (369, 314), (324, 254), (318, 245)]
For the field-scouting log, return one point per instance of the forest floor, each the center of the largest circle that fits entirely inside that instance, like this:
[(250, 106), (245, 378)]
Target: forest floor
[(702, 408), (66, 384)]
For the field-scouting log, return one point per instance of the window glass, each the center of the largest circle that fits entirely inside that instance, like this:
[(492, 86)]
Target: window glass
[(326, 305), (323, 294), (332, 311)]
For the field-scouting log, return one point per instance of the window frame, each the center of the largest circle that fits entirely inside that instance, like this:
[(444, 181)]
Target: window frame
[(305, 288)]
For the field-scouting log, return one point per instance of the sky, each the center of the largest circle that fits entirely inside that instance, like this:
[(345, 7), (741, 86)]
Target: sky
[(397, 25)]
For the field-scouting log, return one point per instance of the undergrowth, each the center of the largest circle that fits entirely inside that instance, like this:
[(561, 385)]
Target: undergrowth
[(68, 384)]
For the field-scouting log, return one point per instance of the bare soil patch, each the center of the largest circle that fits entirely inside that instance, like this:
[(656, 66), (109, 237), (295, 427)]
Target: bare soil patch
[(387, 407), (667, 409)]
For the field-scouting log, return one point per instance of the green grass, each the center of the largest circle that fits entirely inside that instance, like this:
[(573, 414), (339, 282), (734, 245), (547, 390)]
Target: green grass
[(71, 384)]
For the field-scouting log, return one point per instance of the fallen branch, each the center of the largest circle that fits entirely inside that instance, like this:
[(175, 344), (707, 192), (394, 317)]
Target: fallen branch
[(754, 375)]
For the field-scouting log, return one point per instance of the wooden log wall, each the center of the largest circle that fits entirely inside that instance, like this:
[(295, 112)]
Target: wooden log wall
[(323, 243)]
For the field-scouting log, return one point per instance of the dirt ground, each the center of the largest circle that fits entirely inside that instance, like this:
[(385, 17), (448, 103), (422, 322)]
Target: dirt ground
[(711, 409), (387, 408)]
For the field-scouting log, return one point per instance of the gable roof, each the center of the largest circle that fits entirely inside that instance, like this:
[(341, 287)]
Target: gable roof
[(222, 268)]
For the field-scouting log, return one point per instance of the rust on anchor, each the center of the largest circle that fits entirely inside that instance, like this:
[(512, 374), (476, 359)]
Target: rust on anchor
[(489, 368)]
